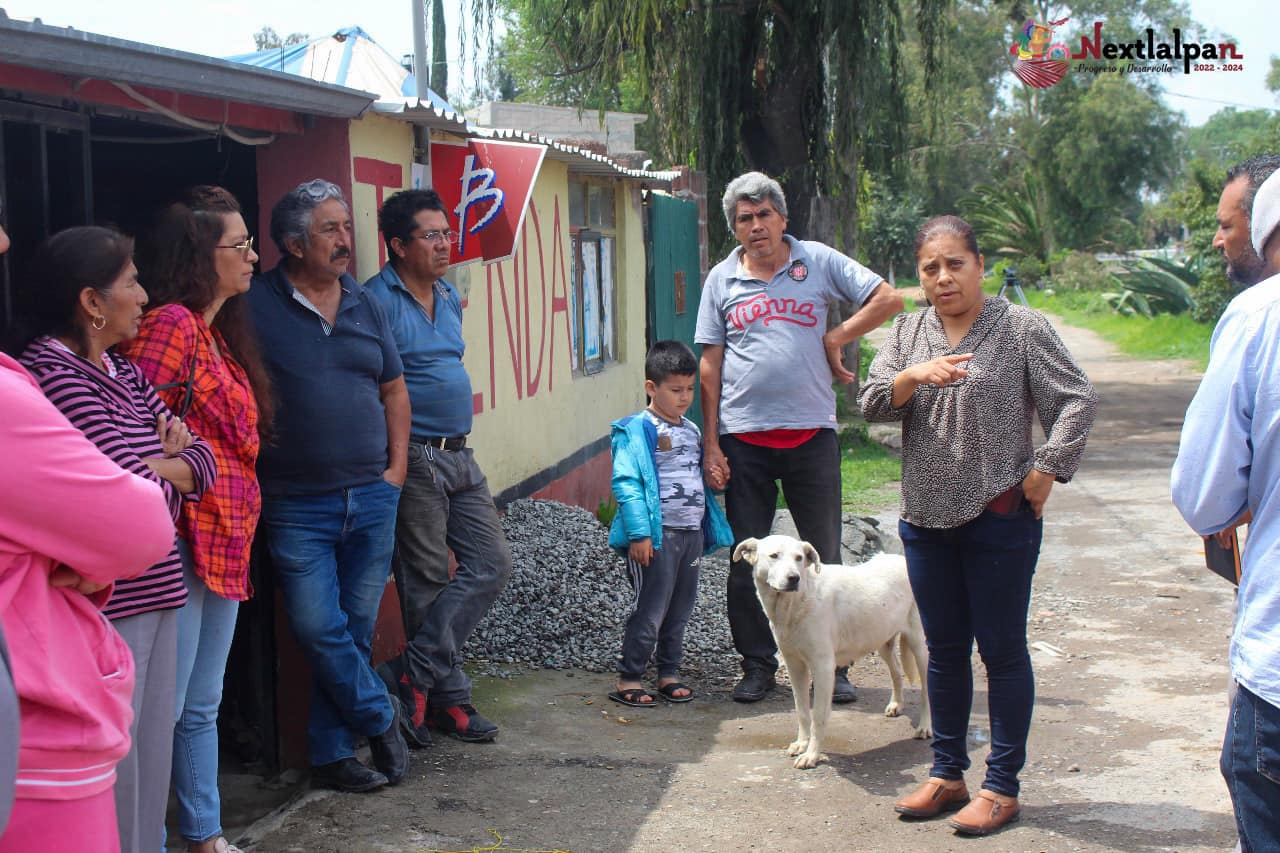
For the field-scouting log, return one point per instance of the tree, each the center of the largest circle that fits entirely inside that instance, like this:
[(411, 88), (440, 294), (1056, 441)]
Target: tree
[(439, 80), (888, 227), (1232, 135), (1100, 149), (807, 91), (1273, 76), (956, 136), (268, 38)]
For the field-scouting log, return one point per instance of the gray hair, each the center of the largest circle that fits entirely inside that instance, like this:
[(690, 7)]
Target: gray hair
[(291, 217), (754, 187)]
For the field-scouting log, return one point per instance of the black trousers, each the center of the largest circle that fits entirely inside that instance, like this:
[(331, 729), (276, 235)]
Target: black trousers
[(810, 477)]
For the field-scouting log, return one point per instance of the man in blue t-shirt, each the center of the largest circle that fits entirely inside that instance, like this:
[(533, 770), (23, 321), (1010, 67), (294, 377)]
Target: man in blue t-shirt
[(446, 502), (331, 477)]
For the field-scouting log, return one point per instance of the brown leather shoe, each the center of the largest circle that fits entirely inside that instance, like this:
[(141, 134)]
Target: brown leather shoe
[(985, 814), (933, 798)]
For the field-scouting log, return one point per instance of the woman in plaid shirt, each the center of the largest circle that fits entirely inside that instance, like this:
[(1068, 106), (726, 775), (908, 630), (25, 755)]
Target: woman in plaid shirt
[(196, 346)]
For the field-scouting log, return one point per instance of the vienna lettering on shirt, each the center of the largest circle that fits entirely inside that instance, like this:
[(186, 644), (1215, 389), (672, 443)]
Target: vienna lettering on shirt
[(761, 307)]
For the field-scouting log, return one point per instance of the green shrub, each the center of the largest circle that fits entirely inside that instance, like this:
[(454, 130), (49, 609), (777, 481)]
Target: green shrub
[(1030, 271), (868, 352), (606, 510), (1081, 271), (1212, 293)]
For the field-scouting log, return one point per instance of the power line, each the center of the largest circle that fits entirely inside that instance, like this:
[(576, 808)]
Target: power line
[(1219, 101)]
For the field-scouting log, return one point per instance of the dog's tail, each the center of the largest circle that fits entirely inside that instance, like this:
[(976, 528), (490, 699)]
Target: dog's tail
[(909, 668), (909, 663)]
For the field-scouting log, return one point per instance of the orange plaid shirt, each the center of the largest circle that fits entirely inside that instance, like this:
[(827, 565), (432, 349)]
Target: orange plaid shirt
[(220, 526)]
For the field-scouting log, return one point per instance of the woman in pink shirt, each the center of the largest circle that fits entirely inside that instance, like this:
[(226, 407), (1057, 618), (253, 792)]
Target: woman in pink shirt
[(71, 523)]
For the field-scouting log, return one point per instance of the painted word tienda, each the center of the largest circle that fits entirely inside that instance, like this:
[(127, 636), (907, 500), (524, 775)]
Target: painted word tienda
[(1188, 52)]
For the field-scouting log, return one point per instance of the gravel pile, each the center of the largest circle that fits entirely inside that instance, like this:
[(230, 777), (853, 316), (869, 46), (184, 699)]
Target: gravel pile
[(569, 597)]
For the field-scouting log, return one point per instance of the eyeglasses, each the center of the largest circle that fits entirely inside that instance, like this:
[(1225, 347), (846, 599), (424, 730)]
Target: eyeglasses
[(434, 236), (245, 246)]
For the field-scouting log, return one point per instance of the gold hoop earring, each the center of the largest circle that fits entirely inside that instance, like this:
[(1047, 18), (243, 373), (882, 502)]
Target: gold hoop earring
[(99, 323)]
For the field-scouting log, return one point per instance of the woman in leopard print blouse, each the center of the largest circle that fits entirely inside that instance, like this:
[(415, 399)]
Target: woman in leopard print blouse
[(967, 376)]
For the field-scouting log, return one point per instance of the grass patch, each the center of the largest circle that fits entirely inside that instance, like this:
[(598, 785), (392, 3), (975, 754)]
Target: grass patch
[(867, 470), (1160, 337)]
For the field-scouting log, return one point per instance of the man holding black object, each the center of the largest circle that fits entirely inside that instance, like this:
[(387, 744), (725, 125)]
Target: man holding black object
[(1228, 468), (1244, 268)]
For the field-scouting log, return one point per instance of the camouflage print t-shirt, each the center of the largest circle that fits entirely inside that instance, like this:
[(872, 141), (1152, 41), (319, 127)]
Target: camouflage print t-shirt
[(679, 456)]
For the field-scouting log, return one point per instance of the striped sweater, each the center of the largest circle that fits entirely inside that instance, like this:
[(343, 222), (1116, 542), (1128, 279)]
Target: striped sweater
[(119, 414)]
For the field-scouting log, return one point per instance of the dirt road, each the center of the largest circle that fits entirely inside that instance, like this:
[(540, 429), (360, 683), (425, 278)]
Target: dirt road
[(1129, 635)]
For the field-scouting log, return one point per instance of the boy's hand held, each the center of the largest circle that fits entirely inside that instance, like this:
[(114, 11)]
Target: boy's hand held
[(642, 551)]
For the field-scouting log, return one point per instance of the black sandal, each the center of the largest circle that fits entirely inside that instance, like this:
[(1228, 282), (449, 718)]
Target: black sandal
[(631, 697), (668, 692)]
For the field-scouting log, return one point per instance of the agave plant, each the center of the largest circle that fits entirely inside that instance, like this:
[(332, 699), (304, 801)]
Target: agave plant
[(1128, 303), (1154, 286)]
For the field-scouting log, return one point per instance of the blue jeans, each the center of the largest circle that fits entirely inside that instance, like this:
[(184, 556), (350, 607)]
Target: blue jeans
[(974, 582), (668, 592), (332, 554), (1251, 766), (446, 506), (206, 625)]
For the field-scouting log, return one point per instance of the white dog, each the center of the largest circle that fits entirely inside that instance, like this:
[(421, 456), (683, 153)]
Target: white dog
[(828, 616)]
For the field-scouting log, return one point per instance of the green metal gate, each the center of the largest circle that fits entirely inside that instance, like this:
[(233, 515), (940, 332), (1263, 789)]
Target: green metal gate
[(674, 279)]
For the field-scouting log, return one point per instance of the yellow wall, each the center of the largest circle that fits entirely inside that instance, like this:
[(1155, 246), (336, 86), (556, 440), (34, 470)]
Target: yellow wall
[(533, 410), (381, 151), (536, 411)]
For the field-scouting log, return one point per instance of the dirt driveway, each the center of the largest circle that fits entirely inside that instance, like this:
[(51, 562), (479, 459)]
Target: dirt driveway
[(1129, 635)]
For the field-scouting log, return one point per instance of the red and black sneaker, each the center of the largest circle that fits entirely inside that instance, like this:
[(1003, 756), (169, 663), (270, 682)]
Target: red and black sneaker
[(461, 721)]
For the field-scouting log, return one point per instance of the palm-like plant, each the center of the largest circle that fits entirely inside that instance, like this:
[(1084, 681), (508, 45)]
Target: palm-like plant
[(1010, 221)]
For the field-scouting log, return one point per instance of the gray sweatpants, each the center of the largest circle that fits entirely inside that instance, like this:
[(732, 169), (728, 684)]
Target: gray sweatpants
[(668, 590), (142, 777), (8, 734)]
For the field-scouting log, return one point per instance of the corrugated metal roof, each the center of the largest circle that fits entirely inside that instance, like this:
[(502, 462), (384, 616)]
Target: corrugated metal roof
[(583, 160), (64, 50)]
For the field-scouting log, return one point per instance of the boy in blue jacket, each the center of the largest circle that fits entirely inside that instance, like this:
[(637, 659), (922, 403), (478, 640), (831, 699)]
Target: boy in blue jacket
[(666, 521)]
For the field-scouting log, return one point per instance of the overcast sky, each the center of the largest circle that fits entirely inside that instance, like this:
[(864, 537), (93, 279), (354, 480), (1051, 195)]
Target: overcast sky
[(225, 27)]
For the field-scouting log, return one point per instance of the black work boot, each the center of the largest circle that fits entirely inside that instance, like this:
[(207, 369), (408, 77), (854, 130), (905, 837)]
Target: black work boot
[(390, 752), (753, 687), (843, 692), (346, 774)]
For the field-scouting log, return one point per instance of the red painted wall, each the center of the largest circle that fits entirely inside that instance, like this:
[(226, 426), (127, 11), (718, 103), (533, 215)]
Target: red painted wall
[(324, 151), (584, 486)]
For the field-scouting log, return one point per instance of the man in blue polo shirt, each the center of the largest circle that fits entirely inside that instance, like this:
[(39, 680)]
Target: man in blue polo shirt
[(331, 477), (446, 502)]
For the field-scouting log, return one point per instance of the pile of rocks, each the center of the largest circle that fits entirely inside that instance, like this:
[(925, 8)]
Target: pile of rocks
[(570, 595)]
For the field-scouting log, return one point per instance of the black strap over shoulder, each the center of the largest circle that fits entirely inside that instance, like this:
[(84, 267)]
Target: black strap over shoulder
[(188, 394)]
